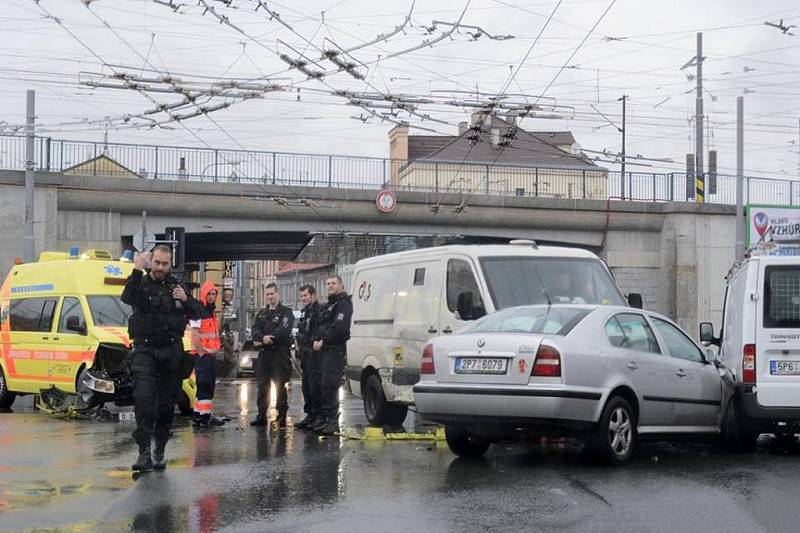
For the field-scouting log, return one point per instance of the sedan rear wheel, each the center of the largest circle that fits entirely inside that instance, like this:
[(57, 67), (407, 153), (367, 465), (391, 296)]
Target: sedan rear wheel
[(465, 444), (614, 439)]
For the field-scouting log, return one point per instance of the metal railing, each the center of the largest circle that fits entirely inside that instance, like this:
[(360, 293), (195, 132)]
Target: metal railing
[(317, 170)]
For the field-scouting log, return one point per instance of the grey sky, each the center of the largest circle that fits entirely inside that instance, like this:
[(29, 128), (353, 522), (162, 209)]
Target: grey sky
[(742, 53)]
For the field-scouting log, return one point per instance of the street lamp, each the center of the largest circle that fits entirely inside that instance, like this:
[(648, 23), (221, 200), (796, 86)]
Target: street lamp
[(215, 165)]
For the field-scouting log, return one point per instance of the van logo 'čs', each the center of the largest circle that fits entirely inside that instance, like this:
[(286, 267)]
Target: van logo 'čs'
[(364, 291), (481, 343), (761, 222)]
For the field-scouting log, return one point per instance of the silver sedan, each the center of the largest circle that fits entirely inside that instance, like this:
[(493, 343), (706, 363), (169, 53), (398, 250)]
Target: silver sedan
[(607, 375)]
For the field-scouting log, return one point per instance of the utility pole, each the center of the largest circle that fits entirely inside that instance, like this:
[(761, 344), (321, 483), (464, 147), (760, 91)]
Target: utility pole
[(29, 243), (698, 152), (739, 177), (623, 99)]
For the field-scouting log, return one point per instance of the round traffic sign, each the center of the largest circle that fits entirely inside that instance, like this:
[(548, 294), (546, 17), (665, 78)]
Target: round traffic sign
[(386, 201)]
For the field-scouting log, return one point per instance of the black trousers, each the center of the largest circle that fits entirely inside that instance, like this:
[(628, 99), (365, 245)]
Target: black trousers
[(156, 375), (205, 376), (332, 363), (312, 381), (272, 367)]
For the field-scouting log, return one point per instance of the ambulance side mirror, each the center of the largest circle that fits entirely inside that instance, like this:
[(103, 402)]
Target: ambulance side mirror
[(74, 324)]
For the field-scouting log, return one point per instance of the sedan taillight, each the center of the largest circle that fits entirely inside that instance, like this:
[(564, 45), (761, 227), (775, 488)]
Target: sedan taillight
[(427, 360), (547, 363)]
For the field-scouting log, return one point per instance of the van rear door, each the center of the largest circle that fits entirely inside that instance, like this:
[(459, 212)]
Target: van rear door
[(778, 336)]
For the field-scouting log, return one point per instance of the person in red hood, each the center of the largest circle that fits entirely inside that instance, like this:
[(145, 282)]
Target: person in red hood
[(206, 344)]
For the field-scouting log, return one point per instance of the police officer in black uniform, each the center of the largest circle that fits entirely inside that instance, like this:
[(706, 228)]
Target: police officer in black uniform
[(330, 340), (272, 332), (309, 360), (161, 309)]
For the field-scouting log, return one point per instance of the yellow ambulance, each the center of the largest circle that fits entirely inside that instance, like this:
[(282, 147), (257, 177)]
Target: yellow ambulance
[(64, 326)]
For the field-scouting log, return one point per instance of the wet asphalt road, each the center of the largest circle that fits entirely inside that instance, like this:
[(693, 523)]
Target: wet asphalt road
[(71, 475)]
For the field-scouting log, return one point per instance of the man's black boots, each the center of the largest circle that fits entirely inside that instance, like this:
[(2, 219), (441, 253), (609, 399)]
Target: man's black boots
[(144, 462), (320, 423), (306, 423), (330, 427), (158, 456)]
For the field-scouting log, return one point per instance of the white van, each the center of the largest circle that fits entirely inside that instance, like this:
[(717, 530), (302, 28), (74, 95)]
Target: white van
[(760, 345), (403, 299)]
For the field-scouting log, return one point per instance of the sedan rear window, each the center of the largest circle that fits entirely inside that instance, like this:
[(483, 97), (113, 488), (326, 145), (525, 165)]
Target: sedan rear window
[(542, 320)]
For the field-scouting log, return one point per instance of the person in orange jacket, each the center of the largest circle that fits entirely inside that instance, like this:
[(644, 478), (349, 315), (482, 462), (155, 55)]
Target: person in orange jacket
[(206, 343)]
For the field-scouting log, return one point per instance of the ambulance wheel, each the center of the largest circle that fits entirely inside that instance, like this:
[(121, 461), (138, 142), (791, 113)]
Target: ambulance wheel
[(184, 404), (6, 397), (378, 411)]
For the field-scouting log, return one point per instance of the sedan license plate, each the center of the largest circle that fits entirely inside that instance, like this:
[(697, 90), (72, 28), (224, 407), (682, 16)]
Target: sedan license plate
[(784, 368), (481, 365)]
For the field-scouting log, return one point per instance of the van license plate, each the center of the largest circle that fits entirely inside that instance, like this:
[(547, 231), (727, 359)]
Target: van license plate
[(481, 365), (784, 368)]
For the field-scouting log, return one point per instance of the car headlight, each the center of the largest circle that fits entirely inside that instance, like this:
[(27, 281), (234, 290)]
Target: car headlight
[(98, 384)]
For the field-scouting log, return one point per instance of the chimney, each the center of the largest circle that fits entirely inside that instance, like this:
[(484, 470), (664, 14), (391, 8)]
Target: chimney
[(483, 116), (495, 137), (398, 150)]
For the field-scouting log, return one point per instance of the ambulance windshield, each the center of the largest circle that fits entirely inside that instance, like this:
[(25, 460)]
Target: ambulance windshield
[(109, 311)]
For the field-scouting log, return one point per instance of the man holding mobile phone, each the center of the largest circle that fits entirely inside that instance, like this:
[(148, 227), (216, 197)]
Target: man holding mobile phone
[(162, 307)]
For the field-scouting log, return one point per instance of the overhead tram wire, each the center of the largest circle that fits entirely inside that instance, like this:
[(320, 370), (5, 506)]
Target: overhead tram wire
[(225, 20), (567, 62), (512, 76), (207, 115), (148, 97)]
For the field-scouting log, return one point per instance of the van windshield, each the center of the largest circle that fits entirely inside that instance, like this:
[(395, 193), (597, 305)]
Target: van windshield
[(782, 296), (109, 311), (518, 280)]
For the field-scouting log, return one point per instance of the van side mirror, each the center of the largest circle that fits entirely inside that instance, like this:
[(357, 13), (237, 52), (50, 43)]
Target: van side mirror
[(707, 334), (464, 305), (635, 300), (467, 310), (74, 324)]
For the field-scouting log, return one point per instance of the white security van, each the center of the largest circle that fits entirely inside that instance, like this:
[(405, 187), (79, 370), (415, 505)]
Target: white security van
[(403, 299), (760, 345)]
